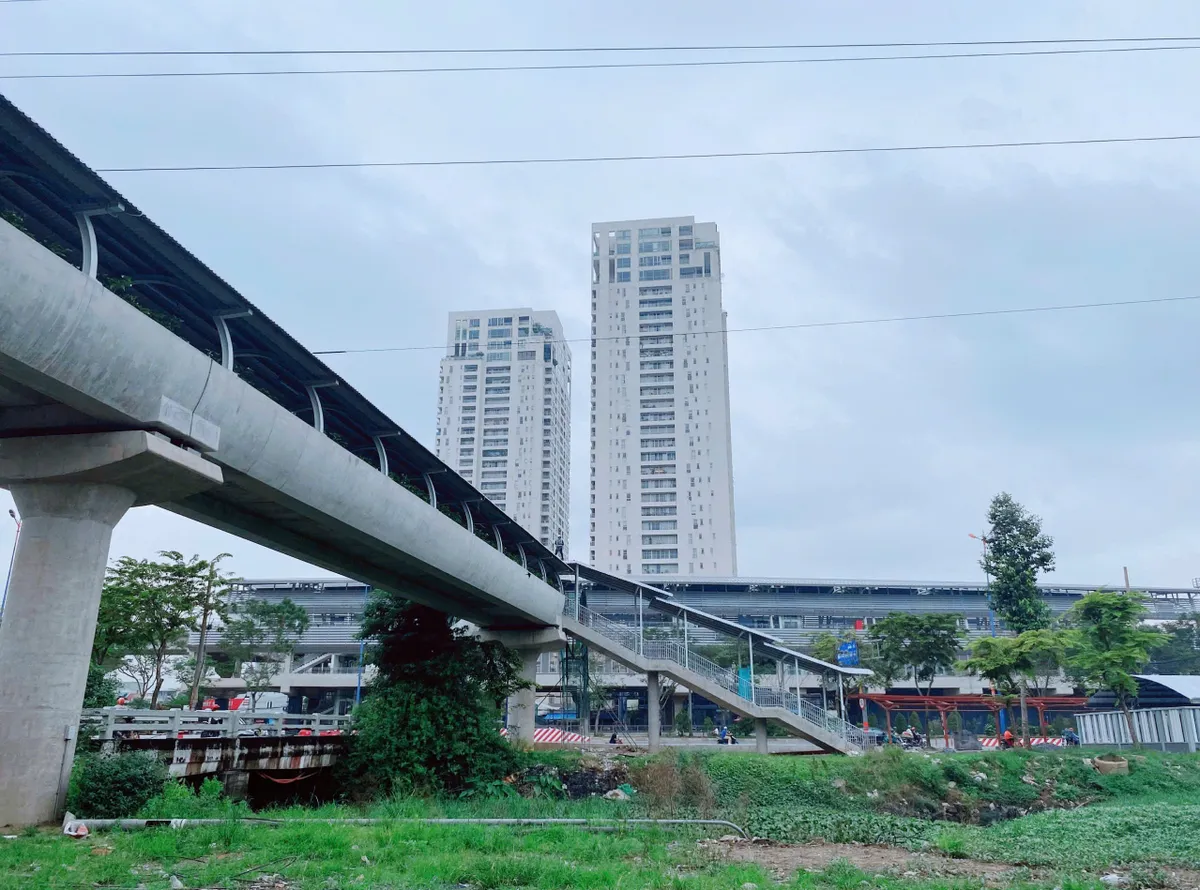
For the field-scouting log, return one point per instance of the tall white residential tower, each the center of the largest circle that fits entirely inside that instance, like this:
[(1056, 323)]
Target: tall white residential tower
[(662, 468), (504, 413)]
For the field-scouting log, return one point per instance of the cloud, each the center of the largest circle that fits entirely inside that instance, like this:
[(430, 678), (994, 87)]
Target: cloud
[(867, 451)]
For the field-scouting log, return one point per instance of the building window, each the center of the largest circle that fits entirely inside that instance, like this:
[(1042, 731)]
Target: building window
[(623, 277), (665, 568), (624, 262), (691, 272), (654, 247), (624, 248), (659, 511), (685, 230), (654, 231), (654, 274)]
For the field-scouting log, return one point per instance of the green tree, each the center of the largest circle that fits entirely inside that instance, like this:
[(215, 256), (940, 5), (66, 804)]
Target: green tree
[(1013, 664), (431, 720), (212, 589), (1108, 645), (1046, 656), (102, 688), (1016, 552), (825, 647), (1180, 651), (924, 644), (1002, 662), (599, 694), (161, 602), (259, 636)]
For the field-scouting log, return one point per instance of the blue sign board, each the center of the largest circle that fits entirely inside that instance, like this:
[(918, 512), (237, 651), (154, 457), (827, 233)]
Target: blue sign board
[(847, 654)]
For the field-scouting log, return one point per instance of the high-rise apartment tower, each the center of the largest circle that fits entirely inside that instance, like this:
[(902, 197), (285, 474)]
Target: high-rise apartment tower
[(504, 413), (661, 467)]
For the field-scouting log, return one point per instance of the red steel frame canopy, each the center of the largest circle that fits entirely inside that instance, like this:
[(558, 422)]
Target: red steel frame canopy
[(947, 704)]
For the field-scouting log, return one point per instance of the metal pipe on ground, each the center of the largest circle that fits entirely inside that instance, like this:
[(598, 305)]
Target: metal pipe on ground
[(72, 825)]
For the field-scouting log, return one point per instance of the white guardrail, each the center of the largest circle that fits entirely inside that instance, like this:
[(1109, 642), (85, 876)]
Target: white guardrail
[(128, 723), (726, 678), (1169, 729)]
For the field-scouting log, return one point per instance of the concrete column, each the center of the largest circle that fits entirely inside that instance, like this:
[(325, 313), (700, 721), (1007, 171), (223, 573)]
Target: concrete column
[(71, 491), (529, 644), (522, 705), (46, 638), (653, 711), (760, 736)]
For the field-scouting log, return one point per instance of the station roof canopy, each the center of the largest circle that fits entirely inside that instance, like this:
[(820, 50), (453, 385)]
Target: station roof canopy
[(43, 187)]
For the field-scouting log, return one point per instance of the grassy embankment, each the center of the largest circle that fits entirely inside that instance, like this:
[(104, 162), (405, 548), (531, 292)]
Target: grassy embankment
[(1142, 822)]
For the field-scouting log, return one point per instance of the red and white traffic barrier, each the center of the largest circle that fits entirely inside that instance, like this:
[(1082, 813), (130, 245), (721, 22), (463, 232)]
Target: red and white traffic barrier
[(549, 735), (1042, 740)]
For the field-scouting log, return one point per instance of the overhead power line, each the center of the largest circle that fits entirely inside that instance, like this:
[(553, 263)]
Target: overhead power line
[(598, 159), (732, 47), (846, 323), (593, 66)]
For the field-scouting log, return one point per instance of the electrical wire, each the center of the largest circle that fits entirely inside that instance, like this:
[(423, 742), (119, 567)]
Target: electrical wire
[(744, 47), (854, 322), (589, 66), (596, 159)]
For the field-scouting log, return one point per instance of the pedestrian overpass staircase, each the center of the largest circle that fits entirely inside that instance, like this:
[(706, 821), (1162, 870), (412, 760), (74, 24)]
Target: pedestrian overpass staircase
[(675, 660)]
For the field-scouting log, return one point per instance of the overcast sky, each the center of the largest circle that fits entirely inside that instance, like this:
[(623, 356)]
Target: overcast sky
[(860, 452)]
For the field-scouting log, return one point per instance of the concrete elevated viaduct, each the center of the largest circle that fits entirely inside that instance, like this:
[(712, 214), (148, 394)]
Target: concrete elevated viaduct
[(131, 374)]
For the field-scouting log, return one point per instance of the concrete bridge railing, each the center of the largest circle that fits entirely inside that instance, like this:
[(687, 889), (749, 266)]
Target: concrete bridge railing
[(124, 723)]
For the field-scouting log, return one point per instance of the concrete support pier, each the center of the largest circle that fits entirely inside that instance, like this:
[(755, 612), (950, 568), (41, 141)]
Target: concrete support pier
[(522, 705), (760, 736), (71, 491), (653, 711)]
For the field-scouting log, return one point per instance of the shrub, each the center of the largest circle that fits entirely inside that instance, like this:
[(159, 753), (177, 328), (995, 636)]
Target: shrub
[(683, 724), (659, 782), (178, 801), (115, 786), (431, 721)]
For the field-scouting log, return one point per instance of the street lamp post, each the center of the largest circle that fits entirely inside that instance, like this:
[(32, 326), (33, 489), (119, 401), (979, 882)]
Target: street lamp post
[(11, 561), (362, 650), (987, 577)]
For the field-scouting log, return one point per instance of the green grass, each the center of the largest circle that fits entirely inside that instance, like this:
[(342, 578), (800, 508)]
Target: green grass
[(1092, 837), (395, 855), (415, 856), (1147, 819)]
